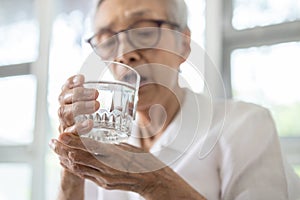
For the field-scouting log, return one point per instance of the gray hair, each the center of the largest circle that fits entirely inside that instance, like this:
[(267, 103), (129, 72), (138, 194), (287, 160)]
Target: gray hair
[(177, 11)]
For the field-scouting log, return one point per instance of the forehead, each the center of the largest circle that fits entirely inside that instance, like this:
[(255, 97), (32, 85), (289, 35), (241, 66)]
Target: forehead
[(120, 13)]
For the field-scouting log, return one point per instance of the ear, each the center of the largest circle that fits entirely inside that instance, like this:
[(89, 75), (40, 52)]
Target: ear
[(185, 44)]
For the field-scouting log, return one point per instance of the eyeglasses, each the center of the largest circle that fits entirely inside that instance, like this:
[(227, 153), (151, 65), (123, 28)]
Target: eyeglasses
[(141, 34)]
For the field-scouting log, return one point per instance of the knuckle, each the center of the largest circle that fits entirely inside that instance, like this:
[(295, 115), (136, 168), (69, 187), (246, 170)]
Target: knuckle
[(68, 116), (61, 111), (77, 93), (76, 107), (65, 116), (74, 167), (66, 85), (72, 156), (61, 98), (61, 128), (56, 149)]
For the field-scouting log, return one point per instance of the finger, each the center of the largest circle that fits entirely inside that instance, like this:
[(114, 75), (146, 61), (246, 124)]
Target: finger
[(77, 94), (89, 161), (80, 128), (117, 181), (104, 157), (73, 81), (67, 113), (130, 148), (88, 152), (94, 175), (64, 161), (59, 148), (69, 156), (61, 128), (86, 144)]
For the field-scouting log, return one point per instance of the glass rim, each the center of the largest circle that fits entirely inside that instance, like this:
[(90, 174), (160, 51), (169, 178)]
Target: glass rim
[(106, 64), (138, 78), (112, 83)]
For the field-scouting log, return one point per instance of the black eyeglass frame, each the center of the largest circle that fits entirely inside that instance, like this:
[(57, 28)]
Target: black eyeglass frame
[(158, 22)]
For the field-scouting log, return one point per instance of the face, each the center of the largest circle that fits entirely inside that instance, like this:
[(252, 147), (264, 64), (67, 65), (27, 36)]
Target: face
[(158, 68)]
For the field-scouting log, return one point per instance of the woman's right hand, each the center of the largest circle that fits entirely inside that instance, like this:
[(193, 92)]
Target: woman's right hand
[(76, 100)]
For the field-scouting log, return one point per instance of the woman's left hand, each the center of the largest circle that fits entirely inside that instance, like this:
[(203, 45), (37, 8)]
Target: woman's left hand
[(122, 167), (111, 166)]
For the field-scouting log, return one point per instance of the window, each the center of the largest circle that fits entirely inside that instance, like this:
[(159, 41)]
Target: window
[(17, 107), (18, 46), (261, 62), (23, 77), (196, 22), (17, 181), (252, 13), (269, 76)]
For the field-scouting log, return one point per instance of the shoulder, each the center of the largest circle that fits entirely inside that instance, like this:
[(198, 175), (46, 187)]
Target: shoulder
[(236, 114), (248, 128)]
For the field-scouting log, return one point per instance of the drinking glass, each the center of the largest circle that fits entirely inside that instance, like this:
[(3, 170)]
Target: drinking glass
[(118, 86)]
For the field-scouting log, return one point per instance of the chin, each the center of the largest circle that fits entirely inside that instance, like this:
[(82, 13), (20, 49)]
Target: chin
[(143, 107), (144, 103)]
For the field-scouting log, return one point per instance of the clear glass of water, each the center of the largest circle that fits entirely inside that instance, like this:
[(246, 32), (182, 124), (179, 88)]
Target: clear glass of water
[(118, 86)]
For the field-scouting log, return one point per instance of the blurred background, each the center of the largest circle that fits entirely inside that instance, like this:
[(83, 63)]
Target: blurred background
[(254, 43)]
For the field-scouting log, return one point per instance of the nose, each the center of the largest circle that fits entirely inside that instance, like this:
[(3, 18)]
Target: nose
[(126, 53)]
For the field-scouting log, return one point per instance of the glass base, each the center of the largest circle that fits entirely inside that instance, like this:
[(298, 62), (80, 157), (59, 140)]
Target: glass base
[(106, 135)]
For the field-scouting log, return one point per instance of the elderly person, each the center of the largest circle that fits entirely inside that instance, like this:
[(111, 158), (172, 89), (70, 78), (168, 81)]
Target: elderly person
[(245, 163)]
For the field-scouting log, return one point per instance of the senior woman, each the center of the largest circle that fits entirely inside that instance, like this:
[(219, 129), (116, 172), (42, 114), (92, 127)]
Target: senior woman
[(245, 163)]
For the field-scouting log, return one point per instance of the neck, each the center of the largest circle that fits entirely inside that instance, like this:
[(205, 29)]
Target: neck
[(154, 120)]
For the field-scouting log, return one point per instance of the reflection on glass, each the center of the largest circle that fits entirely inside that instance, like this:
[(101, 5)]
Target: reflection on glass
[(17, 105), (15, 181), (19, 35), (269, 76), (251, 13)]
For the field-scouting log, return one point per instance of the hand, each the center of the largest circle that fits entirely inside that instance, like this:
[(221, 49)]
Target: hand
[(122, 167), (76, 100)]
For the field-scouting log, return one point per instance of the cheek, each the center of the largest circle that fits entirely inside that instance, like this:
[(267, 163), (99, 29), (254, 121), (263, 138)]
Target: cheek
[(171, 42), (162, 57)]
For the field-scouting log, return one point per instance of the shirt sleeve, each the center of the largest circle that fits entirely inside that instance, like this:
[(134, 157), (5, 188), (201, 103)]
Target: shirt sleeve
[(252, 165)]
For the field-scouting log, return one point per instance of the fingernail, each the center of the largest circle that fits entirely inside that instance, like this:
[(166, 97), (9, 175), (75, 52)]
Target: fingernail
[(76, 80), (52, 144), (66, 138)]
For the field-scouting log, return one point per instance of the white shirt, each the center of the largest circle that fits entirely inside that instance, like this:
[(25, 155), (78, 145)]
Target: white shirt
[(245, 163)]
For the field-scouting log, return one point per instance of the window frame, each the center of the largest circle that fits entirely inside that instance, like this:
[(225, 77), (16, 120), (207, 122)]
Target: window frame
[(34, 153), (233, 39)]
